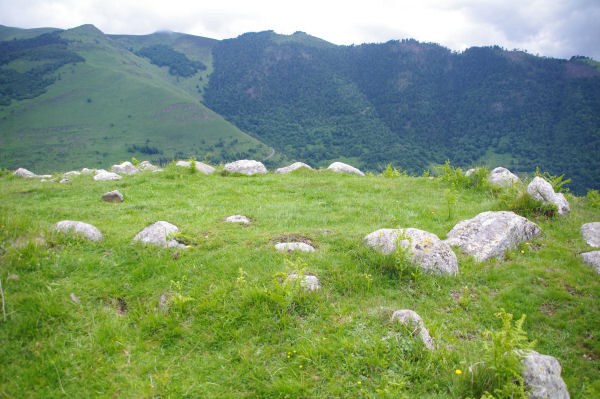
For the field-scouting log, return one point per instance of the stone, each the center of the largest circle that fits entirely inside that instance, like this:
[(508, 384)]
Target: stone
[(86, 230), (238, 219), (503, 177), (427, 251), (246, 167), (112, 196), (294, 246), (593, 259), (102, 175), (74, 298), (292, 167), (125, 168), (202, 167), (591, 234), (24, 173), (414, 322), (470, 172), (87, 171), (344, 168), (65, 180), (541, 374), (159, 233), (490, 234), (146, 166), (541, 190), (309, 282), (72, 173)]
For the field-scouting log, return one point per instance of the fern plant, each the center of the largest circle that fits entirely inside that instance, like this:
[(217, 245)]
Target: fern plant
[(557, 182)]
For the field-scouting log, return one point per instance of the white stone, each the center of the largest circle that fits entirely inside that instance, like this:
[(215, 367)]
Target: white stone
[(112, 196), (503, 177), (308, 282), (344, 168), (490, 234), (125, 168), (102, 175), (202, 167), (427, 251), (238, 219), (87, 171), (146, 166), (591, 234), (593, 259), (246, 167), (87, 230), (292, 167), (160, 233), (294, 246), (541, 190), (73, 172), (541, 374), (414, 322), (24, 173), (470, 172), (64, 180)]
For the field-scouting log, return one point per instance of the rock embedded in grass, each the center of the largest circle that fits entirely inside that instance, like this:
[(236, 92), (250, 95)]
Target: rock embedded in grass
[(24, 173), (294, 246), (112, 196), (541, 190), (593, 259), (425, 249), (72, 173), (591, 234), (201, 167), (103, 175), (237, 219), (125, 168), (146, 166), (490, 234), (344, 168), (308, 282), (292, 167), (160, 233), (87, 171), (84, 229), (541, 374), (503, 177), (246, 167), (414, 322)]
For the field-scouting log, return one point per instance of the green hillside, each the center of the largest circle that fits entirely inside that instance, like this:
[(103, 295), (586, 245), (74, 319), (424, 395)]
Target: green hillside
[(103, 105), (116, 318)]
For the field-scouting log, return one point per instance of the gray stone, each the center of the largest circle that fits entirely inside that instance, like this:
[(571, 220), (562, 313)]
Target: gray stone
[(24, 173), (246, 167), (292, 167), (470, 172), (490, 234), (541, 374), (308, 282), (65, 180), (503, 177), (414, 322), (344, 168), (87, 171), (202, 167), (112, 196), (86, 230), (160, 233), (102, 175), (541, 190), (427, 251), (593, 259), (73, 172), (294, 246), (125, 168), (238, 219), (146, 166), (591, 234)]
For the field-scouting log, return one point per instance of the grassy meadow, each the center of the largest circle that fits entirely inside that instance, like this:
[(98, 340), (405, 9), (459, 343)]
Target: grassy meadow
[(87, 319)]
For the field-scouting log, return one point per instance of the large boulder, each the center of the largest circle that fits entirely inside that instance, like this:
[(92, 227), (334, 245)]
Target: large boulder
[(112, 196), (425, 249), (294, 246), (413, 321), (292, 167), (503, 177), (344, 168), (24, 173), (593, 259), (86, 230), (125, 168), (490, 234), (541, 374), (246, 167), (102, 175), (541, 190), (591, 234), (160, 233), (201, 167)]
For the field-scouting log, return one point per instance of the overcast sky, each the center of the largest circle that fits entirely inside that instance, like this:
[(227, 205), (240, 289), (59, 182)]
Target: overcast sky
[(553, 28)]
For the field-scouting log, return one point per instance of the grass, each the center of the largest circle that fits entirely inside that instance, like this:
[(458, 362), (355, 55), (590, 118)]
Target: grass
[(232, 329)]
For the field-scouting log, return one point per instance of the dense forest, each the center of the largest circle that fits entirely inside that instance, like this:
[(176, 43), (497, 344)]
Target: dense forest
[(413, 104), (179, 64)]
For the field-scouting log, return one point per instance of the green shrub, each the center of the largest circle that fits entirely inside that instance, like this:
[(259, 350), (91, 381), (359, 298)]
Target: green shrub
[(593, 197), (522, 203), (390, 171)]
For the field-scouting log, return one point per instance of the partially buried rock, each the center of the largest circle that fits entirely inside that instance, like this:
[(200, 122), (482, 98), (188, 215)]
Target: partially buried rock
[(73, 172), (541, 374), (593, 259), (246, 167), (308, 282), (294, 246), (201, 167), (425, 249), (146, 166), (541, 190), (292, 167), (160, 233), (112, 196), (24, 173), (238, 219), (344, 168), (414, 322), (591, 234), (87, 171), (503, 177), (84, 229), (102, 175), (125, 168), (491, 234), (65, 180)]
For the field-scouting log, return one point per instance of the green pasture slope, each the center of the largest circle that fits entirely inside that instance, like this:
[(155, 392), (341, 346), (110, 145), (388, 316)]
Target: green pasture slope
[(84, 319), (114, 101)]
